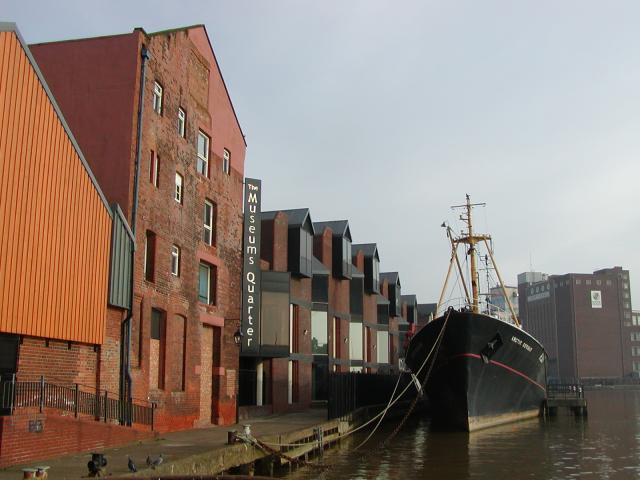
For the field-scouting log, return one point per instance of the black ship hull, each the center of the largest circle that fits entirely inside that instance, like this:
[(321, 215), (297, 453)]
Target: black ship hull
[(483, 372)]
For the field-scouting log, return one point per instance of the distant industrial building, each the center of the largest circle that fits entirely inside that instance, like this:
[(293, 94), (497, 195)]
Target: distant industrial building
[(584, 321)]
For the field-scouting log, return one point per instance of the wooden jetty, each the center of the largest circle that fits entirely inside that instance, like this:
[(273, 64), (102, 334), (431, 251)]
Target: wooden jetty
[(569, 396)]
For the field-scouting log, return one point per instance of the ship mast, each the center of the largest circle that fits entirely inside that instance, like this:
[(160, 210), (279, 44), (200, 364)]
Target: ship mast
[(471, 239)]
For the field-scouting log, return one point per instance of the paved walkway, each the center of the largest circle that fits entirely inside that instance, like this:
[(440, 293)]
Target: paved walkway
[(173, 446)]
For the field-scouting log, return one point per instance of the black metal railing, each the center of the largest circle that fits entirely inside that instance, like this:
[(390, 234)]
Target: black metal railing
[(348, 391), (565, 391), (103, 406)]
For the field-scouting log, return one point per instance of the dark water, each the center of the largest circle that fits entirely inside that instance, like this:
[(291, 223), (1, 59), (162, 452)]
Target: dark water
[(606, 445)]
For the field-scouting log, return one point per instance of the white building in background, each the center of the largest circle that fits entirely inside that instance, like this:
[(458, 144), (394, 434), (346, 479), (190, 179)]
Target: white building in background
[(499, 306)]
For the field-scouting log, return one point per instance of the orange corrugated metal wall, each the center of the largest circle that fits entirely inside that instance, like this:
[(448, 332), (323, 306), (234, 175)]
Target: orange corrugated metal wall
[(54, 227)]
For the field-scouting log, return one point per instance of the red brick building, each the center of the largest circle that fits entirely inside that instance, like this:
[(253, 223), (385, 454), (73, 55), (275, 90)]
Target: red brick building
[(584, 321), (154, 118), (278, 377)]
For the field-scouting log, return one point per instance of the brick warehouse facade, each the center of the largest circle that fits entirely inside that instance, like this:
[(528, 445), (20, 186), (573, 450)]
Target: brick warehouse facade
[(189, 210), (584, 321)]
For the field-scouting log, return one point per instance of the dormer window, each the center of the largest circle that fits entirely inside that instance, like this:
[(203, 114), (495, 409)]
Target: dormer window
[(376, 275), (346, 258), (396, 300), (300, 252), (342, 261), (306, 253)]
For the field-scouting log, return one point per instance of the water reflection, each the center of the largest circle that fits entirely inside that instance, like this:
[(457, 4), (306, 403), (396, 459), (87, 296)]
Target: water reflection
[(604, 446)]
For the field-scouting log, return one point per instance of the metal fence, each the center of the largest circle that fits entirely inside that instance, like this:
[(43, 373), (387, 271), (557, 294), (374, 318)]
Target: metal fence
[(565, 391), (102, 406), (348, 391)]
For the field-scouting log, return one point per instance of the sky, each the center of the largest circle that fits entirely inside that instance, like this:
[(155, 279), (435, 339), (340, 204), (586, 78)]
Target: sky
[(386, 113)]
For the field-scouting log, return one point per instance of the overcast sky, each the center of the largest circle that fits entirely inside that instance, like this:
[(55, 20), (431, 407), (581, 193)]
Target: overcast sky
[(387, 112)]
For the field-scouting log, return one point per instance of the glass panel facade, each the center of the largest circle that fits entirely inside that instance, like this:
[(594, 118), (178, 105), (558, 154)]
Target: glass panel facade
[(275, 319), (319, 336)]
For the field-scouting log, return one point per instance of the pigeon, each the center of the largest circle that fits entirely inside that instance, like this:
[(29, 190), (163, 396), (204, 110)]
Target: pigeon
[(156, 461), (131, 465)]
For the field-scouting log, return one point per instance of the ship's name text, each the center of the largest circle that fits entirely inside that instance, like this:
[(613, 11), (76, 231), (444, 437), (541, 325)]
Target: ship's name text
[(524, 345)]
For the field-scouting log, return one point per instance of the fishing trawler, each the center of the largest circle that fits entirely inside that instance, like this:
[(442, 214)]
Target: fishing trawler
[(477, 370)]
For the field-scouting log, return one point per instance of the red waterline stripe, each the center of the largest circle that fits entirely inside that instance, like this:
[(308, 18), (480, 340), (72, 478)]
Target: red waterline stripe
[(507, 367)]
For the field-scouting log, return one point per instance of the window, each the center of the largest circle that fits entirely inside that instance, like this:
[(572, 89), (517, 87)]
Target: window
[(608, 283), (635, 336), (178, 194), (157, 98), (154, 169), (383, 346), (578, 281), (182, 122), (355, 341), (157, 351), (346, 265), (335, 337), (306, 253), (149, 256), (598, 282), (635, 319), (294, 322), (587, 282), (319, 333), (207, 283), (226, 162), (366, 344), (175, 260), (376, 275), (636, 366), (208, 234), (635, 351), (203, 154)]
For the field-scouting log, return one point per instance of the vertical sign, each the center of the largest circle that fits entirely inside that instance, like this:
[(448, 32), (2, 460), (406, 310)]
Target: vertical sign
[(596, 299), (251, 269)]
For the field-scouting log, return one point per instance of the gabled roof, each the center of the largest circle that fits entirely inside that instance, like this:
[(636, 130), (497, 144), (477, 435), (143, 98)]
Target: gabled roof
[(338, 227), (391, 277), (11, 27), (409, 299), (297, 217), (368, 249), (215, 59)]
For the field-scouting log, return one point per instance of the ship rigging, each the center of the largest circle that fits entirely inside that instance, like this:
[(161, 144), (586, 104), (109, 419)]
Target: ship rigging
[(471, 239)]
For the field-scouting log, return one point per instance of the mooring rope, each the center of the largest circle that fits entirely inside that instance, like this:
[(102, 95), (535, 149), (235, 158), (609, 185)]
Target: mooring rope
[(437, 344)]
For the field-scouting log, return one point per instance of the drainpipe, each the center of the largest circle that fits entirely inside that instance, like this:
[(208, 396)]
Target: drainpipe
[(126, 382)]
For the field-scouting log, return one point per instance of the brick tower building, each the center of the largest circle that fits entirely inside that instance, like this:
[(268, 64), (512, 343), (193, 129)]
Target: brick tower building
[(153, 115)]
